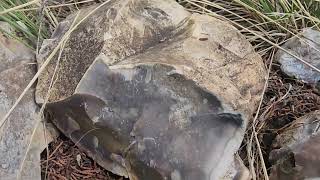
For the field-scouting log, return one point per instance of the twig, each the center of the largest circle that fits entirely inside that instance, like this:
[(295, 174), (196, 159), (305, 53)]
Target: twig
[(19, 7), (254, 120)]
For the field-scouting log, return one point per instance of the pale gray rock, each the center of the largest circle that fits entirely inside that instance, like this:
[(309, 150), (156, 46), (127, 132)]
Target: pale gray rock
[(297, 156), (308, 48), (151, 91), (17, 67)]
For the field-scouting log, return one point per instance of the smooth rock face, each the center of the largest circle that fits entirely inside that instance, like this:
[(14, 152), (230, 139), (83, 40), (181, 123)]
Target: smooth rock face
[(17, 67), (307, 47), (298, 155), (162, 94)]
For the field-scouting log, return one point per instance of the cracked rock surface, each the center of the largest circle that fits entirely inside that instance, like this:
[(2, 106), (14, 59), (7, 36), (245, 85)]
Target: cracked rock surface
[(151, 91)]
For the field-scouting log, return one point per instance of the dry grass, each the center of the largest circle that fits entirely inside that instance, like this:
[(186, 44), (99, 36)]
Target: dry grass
[(285, 100)]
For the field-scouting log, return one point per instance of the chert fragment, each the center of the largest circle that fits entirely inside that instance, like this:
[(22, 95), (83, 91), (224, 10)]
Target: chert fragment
[(151, 91)]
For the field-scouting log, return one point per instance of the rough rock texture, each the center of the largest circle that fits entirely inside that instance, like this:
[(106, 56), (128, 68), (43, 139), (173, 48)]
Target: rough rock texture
[(297, 155), (17, 67), (151, 91), (307, 47)]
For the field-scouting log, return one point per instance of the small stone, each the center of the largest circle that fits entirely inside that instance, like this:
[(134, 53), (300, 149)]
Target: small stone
[(79, 159), (307, 48), (4, 166)]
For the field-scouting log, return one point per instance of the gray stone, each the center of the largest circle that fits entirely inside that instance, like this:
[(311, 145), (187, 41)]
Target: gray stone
[(151, 91), (17, 67), (307, 47), (4, 166), (297, 154)]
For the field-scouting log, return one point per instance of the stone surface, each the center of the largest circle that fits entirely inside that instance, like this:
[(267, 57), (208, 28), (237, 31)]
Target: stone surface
[(307, 47), (151, 91), (17, 67), (297, 155)]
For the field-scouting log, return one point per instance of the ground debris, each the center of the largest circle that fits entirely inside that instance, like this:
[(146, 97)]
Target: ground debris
[(62, 163), (286, 100), (296, 154)]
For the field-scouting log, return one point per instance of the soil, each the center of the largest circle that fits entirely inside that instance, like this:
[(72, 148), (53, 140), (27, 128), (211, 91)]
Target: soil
[(68, 162)]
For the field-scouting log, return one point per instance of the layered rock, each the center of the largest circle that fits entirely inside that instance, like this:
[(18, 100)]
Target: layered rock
[(151, 91)]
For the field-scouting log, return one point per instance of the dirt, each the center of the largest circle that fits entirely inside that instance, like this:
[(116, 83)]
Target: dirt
[(286, 99), (64, 163)]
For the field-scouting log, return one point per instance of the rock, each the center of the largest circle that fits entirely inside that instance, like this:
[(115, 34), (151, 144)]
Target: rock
[(151, 91), (4, 166), (297, 155), (304, 48), (17, 67)]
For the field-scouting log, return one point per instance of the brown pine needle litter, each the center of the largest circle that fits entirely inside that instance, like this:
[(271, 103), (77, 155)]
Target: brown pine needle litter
[(66, 161), (267, 24)]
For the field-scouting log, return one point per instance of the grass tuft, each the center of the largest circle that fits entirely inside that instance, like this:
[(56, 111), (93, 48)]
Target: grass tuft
[(24, 25), (273, 21)]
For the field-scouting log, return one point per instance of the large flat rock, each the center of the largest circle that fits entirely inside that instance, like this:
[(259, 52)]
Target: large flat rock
[(151, 91)]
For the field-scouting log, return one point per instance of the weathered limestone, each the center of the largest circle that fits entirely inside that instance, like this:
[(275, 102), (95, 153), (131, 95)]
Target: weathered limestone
[(17, 67), (151, 91)]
